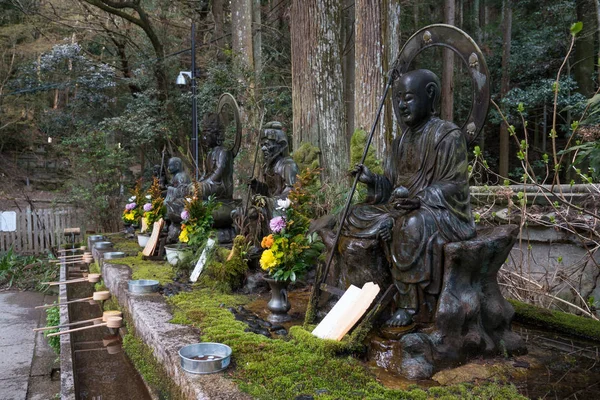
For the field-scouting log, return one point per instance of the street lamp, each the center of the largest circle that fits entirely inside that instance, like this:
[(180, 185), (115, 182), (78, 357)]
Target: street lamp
[(181, 81)]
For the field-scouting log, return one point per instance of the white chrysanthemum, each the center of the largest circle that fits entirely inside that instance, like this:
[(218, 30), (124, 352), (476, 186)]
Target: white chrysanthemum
[(283, 204)]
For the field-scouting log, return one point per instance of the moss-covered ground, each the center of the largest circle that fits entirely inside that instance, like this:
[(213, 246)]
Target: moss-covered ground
[(122, 243), (282, 368), (142, 269), (555, 320), (302, 365)]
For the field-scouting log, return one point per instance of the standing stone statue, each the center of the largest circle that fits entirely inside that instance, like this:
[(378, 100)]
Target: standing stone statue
[(217, 179)]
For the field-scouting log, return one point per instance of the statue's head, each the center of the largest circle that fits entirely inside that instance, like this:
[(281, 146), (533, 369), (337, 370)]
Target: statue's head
[(417, 94), (274, 142), (175, 165), (212, 130)]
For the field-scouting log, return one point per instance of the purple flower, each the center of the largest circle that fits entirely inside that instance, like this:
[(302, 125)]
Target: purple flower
[(185, 215), (130, 206), (277, 224), (147, 207)]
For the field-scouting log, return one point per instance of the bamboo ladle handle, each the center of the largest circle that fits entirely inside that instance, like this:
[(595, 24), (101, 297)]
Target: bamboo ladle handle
[(104, 317), (111, 322), (96, 296), (92, 278), (46, 328)]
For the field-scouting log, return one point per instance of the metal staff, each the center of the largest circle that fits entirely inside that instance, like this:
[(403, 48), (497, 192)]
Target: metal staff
[(362, 161)]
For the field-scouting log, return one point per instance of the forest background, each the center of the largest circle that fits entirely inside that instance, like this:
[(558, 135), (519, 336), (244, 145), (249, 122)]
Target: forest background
[(88, 100)]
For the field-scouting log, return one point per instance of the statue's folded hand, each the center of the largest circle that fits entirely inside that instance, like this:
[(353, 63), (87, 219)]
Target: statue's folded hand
[(406, 203)]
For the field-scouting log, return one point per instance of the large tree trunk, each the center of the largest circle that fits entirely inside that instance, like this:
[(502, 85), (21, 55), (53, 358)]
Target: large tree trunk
[(447, 108), (219, 29), (505, 83), (584, 47), (377, 47), (348, 65), (241, 27), (317, 83), (369, 79)]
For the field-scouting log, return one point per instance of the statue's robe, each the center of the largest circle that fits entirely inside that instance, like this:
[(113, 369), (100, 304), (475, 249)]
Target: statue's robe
[(431, 162), (218, 177), (279, 178)]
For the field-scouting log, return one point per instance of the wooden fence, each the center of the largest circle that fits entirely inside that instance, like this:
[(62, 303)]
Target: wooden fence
[(38, 230)]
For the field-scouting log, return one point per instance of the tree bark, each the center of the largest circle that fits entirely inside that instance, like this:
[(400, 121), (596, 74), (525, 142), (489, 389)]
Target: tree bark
[(584, 47), (241, 26), (348, 65), (369, 79), (317, 83), (505, 83), (219, 29), (377, 46), (447, 108)]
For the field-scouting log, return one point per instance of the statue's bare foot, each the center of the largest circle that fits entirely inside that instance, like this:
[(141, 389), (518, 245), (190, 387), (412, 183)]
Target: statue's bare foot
[(402, 317)]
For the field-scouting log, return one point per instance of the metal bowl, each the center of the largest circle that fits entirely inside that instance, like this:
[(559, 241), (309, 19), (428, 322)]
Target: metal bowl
[(95, 238), (103, 245), (220, 353), (143, 286), (113, 254)]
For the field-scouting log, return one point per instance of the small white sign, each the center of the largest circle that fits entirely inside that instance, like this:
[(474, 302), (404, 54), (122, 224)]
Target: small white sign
[(210, 243), (8, 221)]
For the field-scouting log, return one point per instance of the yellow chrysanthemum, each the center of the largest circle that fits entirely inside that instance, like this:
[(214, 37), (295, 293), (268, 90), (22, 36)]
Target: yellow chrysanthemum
[(129, 216), (268, 260), (183, 236), (267, 242)]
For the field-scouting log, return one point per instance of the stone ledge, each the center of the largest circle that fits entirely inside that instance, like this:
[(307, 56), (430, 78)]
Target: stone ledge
[(151, 315), (67, 377)]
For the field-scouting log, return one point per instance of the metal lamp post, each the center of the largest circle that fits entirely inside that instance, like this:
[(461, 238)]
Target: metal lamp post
[(181, 81)]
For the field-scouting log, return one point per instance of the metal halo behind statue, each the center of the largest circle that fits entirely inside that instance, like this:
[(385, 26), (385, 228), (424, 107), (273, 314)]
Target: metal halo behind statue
[(465, 47), (228, 99)]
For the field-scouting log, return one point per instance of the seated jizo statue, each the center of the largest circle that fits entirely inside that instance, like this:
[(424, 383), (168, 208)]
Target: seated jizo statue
[(217, 179), (177, 189), (420, 202)]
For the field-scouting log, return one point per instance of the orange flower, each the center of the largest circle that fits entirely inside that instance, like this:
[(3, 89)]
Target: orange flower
[(267, 242)]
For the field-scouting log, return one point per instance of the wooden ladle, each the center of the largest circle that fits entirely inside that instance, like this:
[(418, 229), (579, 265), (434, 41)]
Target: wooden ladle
[(111, 322), (105, 315), (92, 278), (96, 296)]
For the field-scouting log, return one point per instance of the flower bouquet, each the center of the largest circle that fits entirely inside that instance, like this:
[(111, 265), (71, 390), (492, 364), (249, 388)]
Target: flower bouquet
[(154, 208), (197, 219), (289, 251), (132, 213)]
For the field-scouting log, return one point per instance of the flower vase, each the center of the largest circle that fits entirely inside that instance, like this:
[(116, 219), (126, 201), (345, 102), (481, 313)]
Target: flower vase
[(279, 304)]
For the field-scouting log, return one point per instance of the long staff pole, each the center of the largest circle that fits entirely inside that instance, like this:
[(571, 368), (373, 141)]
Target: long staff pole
[(362, 161)]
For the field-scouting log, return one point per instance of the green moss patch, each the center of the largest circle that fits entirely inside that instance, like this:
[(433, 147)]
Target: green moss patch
[(556, 320), (151, 370), (121, 243), (301, 365), (142, 269)]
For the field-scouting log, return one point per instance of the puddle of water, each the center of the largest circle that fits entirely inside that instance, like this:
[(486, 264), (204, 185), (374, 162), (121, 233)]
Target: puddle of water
[(101, 368)]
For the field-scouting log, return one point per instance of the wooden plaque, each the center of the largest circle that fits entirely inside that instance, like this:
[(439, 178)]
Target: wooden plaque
[(153, 241)]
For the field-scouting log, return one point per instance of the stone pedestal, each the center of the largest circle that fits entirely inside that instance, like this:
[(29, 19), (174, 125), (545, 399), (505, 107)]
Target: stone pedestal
[(471, 319)]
